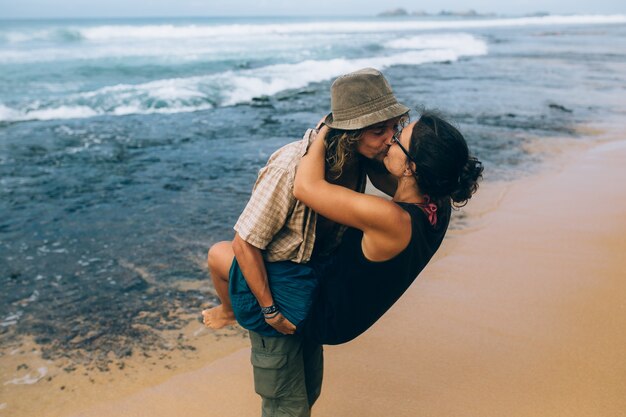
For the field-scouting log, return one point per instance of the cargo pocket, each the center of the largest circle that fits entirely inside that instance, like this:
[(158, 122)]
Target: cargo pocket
[(269, 374)]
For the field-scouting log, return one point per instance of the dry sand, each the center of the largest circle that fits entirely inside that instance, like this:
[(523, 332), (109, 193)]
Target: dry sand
[(521, 313)]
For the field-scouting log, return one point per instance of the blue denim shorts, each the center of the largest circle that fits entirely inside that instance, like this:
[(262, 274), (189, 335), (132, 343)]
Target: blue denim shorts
[(294, 288)]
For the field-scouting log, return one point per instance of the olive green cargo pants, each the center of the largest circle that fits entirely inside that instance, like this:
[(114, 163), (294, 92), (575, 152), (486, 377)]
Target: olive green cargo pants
[(288, 374)]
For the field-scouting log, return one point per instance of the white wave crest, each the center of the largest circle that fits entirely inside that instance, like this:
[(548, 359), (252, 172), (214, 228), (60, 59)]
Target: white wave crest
[(82, 112), (461, 43), (61, 112), (168, 51), (8, 114), (131, 33), (176, 52), (104, 33), (58, 34), (273, 79), (189, 94)]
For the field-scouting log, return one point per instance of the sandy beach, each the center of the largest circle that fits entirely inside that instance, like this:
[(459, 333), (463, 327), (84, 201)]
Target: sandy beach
[(521, 313), (129, 146)]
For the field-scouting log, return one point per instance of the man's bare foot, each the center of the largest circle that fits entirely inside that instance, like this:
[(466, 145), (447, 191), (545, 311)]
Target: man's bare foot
[(218, 317)]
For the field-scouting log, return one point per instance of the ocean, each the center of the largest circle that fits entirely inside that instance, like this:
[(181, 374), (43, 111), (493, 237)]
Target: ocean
[(128, 147)]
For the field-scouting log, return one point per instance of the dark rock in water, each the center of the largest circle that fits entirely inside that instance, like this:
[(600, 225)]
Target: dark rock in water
[(173, 187), (293, 94), (516, 121), (559, 107), (269, 120), (88, 319), (123, 351), (134, 284), (187, 347), (263, 101)]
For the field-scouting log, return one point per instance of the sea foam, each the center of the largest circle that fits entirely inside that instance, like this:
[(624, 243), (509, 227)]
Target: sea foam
[(270, 80), (462, 43), (131, 33), (186, 94), (62, 112), (29, 379)]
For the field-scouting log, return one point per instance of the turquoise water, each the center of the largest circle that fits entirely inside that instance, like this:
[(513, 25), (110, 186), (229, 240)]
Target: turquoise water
[(128, 147)]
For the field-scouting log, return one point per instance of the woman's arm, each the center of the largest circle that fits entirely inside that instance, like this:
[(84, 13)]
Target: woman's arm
[(340, 204)]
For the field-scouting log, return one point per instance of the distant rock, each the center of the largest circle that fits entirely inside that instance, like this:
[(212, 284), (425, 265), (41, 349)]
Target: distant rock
[(399, 12), (394, 13), (462, 13), (560, 107)]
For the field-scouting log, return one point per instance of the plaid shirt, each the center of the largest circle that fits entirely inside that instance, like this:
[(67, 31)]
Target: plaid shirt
[(273, 220)]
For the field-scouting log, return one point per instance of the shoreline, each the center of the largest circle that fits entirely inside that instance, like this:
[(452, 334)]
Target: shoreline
[(419, 343), (64, 388)]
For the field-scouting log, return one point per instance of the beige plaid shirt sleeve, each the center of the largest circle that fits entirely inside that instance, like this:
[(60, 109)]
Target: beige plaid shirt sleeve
[(269, 207), (273, 220)]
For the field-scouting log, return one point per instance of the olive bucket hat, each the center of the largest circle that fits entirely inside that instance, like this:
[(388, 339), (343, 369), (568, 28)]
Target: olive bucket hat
[(360, 99)]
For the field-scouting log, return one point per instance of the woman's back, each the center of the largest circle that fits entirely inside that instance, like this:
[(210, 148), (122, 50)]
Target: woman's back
[(355, 292)]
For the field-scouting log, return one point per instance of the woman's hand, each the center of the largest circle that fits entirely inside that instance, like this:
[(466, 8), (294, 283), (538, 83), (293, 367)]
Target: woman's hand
[(317, 145), (319, 136), (321, 122), (281, 324), (322, 132)]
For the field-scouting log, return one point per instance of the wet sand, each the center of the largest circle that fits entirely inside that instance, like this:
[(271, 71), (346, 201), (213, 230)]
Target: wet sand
[(33, 386), (521, 313)]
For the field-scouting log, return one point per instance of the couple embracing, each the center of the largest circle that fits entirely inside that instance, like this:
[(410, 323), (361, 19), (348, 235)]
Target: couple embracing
[(316, 261)]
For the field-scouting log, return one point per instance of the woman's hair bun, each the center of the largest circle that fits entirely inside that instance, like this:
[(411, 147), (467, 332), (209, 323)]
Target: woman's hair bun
[(471, 173)]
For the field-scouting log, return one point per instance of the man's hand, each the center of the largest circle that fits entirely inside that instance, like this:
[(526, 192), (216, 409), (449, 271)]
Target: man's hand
[(281, 324)]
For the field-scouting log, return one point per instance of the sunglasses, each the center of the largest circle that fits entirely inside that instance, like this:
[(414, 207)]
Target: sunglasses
[(396, 139)]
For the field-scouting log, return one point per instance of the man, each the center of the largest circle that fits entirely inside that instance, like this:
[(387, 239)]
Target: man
[(280, 238)]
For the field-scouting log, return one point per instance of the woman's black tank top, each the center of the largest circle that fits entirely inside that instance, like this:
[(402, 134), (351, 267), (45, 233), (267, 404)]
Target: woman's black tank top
[(355, 292)]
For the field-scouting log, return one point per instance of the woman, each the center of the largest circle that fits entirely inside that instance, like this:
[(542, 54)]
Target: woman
[(388, 242), (385, 247)]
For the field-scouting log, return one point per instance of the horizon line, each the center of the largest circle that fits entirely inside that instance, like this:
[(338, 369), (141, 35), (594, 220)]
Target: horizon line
[(478, 16)]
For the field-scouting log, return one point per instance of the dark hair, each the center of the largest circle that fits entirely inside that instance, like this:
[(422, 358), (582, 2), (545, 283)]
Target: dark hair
[(444, 169)]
